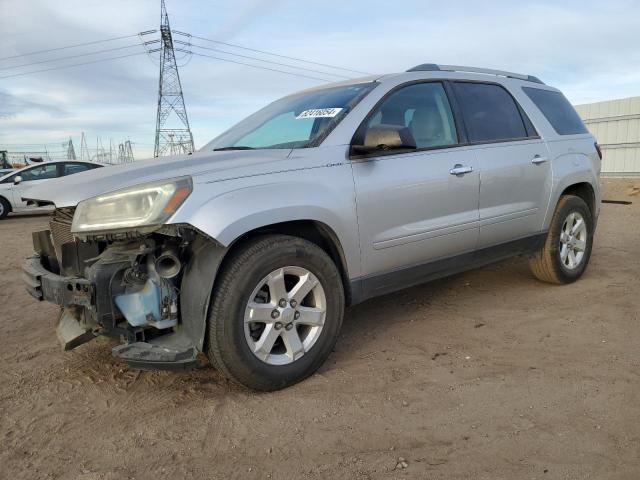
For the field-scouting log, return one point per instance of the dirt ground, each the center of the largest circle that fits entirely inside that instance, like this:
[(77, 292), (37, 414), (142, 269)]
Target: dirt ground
[(485, 375)]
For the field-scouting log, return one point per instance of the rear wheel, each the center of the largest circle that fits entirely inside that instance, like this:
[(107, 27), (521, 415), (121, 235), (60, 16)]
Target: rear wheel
[(5, 208), (565, 254), (276, 312)]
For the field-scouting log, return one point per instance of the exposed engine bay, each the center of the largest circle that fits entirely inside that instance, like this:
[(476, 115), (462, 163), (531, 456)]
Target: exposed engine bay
[(127, 286)]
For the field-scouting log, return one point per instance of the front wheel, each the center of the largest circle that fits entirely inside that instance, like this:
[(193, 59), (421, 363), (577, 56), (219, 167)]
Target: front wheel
[(5, 208), (276, 312), (565, 254)]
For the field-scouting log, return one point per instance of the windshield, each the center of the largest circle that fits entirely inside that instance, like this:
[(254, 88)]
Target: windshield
[(297, 121)]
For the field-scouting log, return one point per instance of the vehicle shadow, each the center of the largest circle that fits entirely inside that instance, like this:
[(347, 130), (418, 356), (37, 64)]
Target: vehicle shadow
[(381, 316)]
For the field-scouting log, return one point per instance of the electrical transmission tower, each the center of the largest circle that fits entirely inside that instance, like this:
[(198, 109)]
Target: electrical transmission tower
[(125, 152), (84, 150), (173, 134), (100, 156), (128, 151), (71, 152)]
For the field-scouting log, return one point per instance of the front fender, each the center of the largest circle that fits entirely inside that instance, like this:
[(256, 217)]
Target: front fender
[(324, 195)]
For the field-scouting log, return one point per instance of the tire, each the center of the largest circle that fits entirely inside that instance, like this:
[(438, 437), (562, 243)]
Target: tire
[(232, 340), (552, 263), (5, 208)]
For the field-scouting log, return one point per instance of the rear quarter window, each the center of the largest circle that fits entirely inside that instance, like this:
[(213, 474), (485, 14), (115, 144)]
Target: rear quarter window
[(557, 110), (71, 168)]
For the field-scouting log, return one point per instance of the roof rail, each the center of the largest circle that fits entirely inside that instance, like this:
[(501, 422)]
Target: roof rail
[(432, 67)]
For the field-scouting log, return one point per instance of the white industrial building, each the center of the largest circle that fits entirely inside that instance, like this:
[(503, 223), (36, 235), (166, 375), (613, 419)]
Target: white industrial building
[(616, 126)]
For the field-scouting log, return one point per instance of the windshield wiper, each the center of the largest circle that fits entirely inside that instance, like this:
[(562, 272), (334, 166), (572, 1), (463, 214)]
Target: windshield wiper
[(232, 148)]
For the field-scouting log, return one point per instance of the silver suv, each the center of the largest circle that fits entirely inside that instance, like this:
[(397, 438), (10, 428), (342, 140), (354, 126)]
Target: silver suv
[(249, 250)]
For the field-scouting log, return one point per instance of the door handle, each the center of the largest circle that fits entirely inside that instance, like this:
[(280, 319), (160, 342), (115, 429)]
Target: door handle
[(538, 160), (460, 169)]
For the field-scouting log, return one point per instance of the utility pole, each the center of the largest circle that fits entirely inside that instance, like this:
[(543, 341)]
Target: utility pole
[(172, 125)]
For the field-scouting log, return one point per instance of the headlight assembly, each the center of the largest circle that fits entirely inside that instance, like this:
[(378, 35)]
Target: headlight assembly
[(139, 206)]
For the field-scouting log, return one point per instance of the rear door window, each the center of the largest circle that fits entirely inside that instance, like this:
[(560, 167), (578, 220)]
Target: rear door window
[(557, 110), (490, 113)]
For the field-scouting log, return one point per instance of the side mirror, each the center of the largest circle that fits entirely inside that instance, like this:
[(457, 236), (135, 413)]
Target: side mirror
[(17, 179), (383, 138)]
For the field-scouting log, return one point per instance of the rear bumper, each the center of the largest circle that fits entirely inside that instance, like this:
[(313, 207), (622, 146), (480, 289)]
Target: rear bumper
[(64, 291)]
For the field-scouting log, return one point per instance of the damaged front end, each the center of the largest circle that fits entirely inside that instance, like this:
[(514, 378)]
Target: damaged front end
[(151, 290)]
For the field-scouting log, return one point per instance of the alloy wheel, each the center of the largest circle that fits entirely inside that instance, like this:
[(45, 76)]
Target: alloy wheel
[(573, 240), (285, 315)]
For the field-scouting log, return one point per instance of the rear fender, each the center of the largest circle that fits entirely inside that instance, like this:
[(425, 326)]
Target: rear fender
[(570, 170)]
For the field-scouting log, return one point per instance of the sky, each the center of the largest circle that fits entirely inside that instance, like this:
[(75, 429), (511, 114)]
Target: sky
[(588, 49)]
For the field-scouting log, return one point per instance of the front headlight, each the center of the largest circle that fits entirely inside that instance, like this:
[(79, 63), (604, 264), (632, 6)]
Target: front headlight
[(143, 205)]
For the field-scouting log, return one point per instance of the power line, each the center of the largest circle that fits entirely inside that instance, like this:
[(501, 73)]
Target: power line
[(72, 65), (254, 66), (144, 45), (78, 45), (54, 152), (3, 144), (180, 50), (73, 56), (261, 60), (269, 53)]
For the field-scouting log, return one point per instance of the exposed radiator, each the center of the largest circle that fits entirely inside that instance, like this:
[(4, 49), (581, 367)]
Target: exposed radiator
[(60, 226)]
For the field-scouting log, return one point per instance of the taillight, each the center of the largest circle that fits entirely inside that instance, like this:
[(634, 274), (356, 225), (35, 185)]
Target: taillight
[(599, 150)]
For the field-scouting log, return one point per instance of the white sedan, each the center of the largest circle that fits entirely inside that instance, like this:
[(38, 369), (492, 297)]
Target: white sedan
[(14, 184)]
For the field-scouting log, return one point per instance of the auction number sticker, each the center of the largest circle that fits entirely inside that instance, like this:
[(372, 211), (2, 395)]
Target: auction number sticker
[(319, 113)]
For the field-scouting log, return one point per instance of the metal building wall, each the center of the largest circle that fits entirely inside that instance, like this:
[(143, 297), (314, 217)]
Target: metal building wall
[(616, 126)]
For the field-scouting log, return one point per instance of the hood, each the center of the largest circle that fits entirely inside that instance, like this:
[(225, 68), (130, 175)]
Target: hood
[(201, 166)]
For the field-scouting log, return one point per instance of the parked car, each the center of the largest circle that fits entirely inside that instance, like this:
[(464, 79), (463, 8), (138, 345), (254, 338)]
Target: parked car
[(14, 184), (250, 249), (4, 171)]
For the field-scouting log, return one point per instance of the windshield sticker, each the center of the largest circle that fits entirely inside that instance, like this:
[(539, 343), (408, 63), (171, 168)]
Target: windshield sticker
[(319, 113)]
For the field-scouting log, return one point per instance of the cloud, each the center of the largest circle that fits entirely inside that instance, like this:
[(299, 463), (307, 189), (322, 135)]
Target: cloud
[(248, 12), (588, 49), (13, 105)]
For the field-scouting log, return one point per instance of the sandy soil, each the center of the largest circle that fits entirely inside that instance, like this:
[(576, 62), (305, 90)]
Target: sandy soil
[(486, 375)]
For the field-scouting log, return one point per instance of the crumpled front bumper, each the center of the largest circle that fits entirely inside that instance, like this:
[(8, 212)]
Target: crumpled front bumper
[(75, 327), (86, 305), (61, 290)]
